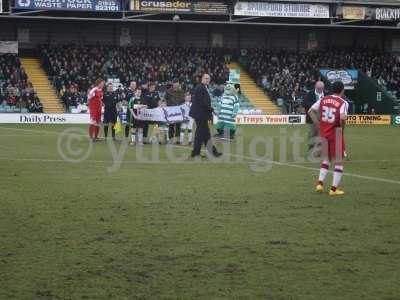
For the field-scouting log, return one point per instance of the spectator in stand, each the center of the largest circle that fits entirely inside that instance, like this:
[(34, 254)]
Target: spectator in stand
[(21, 104), (83, 64), (35, 106), (15, 88), (280, 71)]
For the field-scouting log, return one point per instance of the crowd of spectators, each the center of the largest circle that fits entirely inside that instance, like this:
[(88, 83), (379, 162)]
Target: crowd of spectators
[(286, 76), (73, 68), (16, 91)]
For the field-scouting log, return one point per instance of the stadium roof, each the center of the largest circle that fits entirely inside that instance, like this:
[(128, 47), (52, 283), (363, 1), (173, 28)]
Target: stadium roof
[(360, 2)]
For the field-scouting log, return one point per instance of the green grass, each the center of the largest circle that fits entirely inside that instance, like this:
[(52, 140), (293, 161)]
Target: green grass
[(196, 230)]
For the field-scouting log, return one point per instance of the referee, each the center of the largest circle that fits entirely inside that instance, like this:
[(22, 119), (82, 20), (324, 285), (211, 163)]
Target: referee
[(201, 111), (110, 100)]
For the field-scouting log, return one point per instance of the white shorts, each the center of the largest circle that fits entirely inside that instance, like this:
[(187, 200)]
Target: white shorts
[(188, 125)]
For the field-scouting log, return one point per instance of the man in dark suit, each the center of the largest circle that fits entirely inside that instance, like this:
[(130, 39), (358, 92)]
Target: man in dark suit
[(309, 100), (201, 111)]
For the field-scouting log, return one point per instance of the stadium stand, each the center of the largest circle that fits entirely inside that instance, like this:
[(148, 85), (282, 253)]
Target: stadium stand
[(16, 91), (286, 76), (73, 68)]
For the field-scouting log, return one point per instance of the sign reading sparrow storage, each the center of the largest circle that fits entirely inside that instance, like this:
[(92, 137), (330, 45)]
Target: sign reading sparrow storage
[(273, 9), (44, 118), (270, 119)]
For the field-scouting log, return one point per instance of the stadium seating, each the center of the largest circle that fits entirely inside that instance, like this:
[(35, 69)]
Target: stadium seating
[(286, 75), (16, 91)]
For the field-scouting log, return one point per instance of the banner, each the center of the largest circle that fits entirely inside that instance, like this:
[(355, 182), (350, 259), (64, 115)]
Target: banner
[(168, 114), (44, 118), (8, 47), (270, 119), (348, 77), (179, 6), (386, 13), (234, 76), (353, 12), (396, 120), (368, 120), (83, 5), (273, 9)]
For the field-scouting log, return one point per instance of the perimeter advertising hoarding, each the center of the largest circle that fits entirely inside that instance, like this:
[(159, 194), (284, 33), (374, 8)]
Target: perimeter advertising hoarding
[(283, 10), (180, 6), (75, 5)]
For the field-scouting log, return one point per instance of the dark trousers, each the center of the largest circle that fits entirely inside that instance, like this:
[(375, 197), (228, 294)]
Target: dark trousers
[(145, 129), (202, 136), (174, 130), (127, 129), (106, 130)]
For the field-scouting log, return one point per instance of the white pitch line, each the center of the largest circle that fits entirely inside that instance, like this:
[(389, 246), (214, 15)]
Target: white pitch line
[(305, 163), (30, 130), (379, 179), (317, 169), (310, 168), (99, 161)]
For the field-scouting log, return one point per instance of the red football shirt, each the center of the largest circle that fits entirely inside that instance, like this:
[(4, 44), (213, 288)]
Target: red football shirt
[(330, 109), (95, 98)]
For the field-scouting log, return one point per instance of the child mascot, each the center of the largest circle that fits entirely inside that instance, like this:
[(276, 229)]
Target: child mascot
[(228, 109)]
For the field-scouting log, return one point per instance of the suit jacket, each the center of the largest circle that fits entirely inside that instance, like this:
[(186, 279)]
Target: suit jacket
[(201, 104), (309, 100)]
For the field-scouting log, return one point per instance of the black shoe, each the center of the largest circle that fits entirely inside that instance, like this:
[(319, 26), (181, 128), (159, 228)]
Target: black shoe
[(217, 154)]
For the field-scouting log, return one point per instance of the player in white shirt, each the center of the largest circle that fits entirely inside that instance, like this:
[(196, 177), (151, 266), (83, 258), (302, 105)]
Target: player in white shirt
[(187, 126)]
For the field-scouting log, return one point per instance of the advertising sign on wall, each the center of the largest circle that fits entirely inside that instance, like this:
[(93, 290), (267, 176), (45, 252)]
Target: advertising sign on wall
[(348, 77), (285, 10), (82, 5), (179, 6)]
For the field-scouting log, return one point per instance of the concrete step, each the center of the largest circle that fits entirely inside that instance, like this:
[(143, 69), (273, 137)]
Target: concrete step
[(42, 85)]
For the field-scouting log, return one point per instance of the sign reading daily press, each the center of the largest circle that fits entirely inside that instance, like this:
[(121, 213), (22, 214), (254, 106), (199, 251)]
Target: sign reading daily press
[(179, 6), (82, 5), (274, 9)]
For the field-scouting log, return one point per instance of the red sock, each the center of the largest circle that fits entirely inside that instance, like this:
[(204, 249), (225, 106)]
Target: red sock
[(91, 131), (96, 131), (333, 188)]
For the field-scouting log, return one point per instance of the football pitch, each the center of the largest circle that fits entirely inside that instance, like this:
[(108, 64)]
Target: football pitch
[(144, 223)]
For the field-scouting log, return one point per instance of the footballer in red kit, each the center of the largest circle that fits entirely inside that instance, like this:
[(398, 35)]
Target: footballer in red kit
[(332, 112), (95, 101)]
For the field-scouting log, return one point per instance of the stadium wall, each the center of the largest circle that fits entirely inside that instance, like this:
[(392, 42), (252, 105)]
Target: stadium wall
[(60, 32)]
